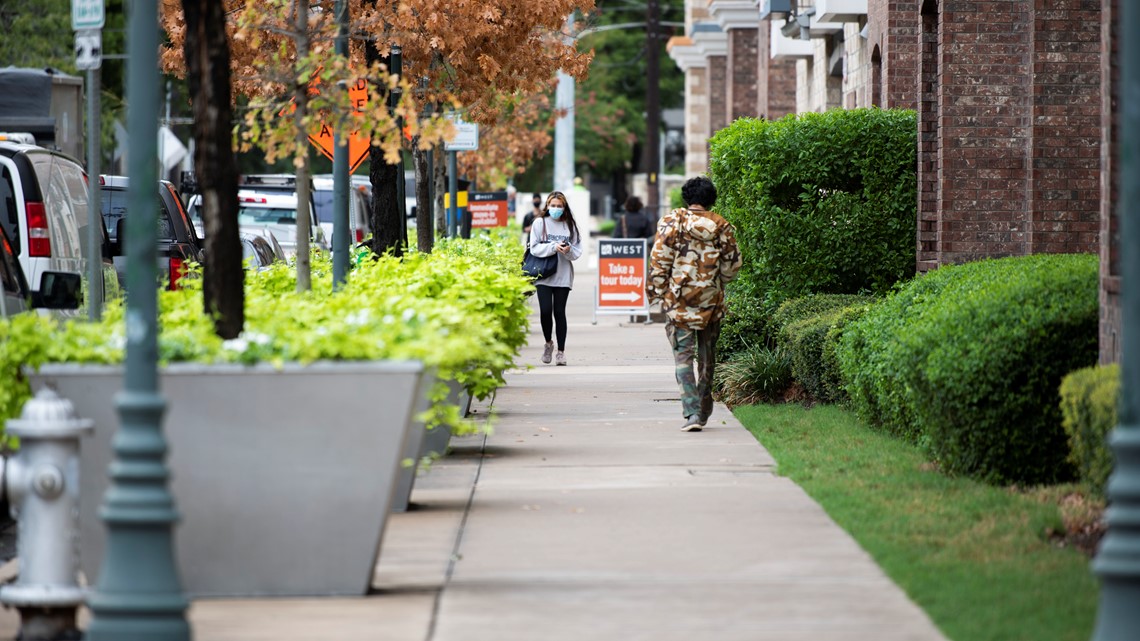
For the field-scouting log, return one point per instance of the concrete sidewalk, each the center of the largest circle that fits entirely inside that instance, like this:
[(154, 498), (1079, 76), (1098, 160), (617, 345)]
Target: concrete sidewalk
[(588, 515)]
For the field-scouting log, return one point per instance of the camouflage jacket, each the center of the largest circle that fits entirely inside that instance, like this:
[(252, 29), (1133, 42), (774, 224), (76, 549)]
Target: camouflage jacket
[(694, 255)]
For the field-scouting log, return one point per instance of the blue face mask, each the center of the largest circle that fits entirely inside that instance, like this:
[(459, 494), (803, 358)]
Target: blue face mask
[(555, 212)]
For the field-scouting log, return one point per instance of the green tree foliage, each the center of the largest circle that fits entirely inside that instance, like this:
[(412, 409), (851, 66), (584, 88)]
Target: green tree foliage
[(37, 34)]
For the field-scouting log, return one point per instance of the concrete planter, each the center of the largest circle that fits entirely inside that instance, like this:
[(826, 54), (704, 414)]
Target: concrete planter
[(424, 442), (283, 478)]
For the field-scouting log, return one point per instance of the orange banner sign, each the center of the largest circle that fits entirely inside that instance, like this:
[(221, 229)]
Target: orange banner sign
[(488, 209), (621, 274)]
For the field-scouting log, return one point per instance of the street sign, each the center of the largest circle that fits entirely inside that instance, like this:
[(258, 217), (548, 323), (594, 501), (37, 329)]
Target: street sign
[(488, 209), (621, 277), (88, 49), (466, 136), (87, 14), (358, 146)]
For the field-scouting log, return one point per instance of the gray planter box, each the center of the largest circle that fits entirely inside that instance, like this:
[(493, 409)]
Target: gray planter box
[(283, 478), (424, 442)]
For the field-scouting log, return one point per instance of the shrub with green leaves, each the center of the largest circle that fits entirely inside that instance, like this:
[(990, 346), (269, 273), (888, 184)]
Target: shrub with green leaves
[(1088, 405), (821, 203), (967, 360), (834, 387), (460, 310), (801, 326)]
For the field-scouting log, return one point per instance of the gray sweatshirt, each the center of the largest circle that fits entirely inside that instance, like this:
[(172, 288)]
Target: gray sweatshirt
[(556, 232)]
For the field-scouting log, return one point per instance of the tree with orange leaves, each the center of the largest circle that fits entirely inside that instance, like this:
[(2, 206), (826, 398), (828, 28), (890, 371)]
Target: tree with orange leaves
[(467, 53)]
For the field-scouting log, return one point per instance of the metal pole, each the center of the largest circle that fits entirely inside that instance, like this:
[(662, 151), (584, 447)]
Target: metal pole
[(453, 189), (340, 169), (652, 103), (138, 595), (1118, 561), (95, 208), (564, 126)]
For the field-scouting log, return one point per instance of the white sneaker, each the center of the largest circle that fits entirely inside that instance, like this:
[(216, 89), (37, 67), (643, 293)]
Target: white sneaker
[(560, 359), (547, 350)]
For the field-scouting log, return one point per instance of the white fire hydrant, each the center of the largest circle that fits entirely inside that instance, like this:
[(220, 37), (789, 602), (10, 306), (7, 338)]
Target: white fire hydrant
[(41, 484)]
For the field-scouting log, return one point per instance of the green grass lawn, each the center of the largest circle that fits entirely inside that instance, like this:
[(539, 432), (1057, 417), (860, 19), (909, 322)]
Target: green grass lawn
[(976, 558)]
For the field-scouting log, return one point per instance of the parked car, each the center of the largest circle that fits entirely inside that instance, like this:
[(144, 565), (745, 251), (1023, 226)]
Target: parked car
[(178, 241), (276, 214), (57, 290), (44, 211), (359, 207), (259, 251)]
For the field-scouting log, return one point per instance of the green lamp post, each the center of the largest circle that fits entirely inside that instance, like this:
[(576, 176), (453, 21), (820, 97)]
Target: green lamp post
[(138, 595), (340, 167), (1118, 561)]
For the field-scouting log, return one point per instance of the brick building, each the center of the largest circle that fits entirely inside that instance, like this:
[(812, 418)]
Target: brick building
[(1014, 101)]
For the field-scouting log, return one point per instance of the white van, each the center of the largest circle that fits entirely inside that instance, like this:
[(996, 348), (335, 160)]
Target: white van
[(276, 214), (44, 210)]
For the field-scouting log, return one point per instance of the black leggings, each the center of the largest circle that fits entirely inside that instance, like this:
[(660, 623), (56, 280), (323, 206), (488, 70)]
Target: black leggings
[(552, 311)]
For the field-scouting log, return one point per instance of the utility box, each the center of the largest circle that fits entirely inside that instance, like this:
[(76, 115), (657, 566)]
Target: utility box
[(45, 103)]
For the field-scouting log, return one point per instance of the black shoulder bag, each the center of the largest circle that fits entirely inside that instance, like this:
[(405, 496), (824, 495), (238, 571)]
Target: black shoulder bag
[(539, 267)]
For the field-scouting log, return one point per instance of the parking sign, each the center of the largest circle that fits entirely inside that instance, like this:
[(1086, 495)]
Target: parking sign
[(87, 14)]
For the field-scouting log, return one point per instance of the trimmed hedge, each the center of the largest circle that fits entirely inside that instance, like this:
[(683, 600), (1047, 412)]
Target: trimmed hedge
[(831, 376), (967, 360), (821, 203), (1088, 405), (803, 325)]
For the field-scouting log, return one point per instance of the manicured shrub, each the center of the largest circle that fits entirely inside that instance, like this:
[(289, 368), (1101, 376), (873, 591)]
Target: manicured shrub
[(821, 202), (756, 375), (833, 386), (967, 359), (1088, 405), (745, 324), (802, 325)]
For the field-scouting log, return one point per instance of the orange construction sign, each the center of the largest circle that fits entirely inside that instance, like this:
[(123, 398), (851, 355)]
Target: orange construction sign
[(621, 275), (358, 146)]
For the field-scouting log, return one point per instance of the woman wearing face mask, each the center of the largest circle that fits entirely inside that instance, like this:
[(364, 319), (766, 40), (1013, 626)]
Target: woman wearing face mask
[(555, 232)]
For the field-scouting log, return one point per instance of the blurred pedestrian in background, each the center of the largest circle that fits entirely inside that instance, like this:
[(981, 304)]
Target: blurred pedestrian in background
[(636, 223)]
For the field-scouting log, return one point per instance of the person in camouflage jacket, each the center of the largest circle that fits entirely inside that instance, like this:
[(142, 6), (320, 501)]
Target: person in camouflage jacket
[(694, 256)]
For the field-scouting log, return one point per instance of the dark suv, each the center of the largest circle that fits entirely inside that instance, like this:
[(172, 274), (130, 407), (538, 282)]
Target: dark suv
[(177, 241)]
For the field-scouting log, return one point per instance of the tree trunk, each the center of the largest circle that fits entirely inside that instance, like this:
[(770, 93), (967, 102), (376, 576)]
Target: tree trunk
[(301, 99), (207, 55), (389, 229), (425, 236)]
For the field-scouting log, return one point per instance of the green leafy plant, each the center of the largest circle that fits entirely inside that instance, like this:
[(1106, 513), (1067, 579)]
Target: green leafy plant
[(461, 310), (756, 375), (821, 203), (1088, 405), (967, 360)]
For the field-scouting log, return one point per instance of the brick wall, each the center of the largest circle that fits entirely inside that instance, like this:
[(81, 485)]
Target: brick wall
[(1064, 180), (1009, 129), (895, 27), (718, 93), (1110, 319), (776, 81), (929, 176), (742, 68)]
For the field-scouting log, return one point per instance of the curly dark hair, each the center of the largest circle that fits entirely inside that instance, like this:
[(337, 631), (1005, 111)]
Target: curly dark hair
[(699, 191), (633, 203)]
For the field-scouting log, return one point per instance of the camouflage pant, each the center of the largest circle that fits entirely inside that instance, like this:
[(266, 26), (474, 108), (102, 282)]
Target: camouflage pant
[(696, 387)]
